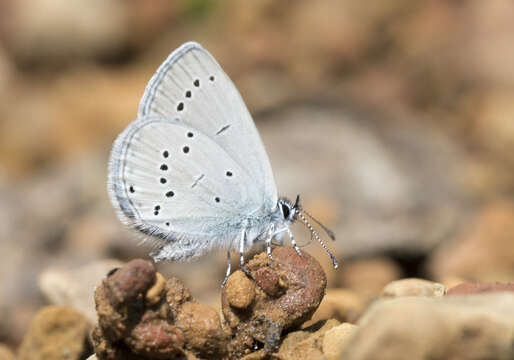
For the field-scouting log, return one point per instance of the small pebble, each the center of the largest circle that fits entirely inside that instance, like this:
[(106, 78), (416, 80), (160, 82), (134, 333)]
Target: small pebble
[(240, 290), (413, 287)]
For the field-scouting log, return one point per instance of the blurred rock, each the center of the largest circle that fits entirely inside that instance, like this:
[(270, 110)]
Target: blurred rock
[(336, 340), (305, 344), (340, 304), (483, 251), (415, 328), (6, 353), (6, 75), (287, 292), (477, 288), (53, 32), (368, 276), (99, 101), (371, 167), (143, 317), (74, 286), (57, 332), (493, 126), (486, 55), (413, 287)]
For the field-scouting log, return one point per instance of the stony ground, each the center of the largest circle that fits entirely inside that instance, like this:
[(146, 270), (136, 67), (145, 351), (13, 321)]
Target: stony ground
[(393, 120), (276, 310)]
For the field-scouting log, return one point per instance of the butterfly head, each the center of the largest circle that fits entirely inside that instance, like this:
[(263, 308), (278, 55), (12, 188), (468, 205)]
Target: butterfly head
[(288, 210), (291, 212)]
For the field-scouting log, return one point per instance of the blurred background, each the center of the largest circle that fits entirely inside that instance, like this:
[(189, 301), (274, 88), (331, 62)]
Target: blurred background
[(393, 119)]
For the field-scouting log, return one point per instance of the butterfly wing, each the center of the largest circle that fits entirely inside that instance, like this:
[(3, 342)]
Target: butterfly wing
[(176, 184), (192, 168), (191, 86)]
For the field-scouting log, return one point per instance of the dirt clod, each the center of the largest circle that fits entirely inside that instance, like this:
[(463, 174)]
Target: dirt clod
[(142, 316), (57, 332), (287, 292)]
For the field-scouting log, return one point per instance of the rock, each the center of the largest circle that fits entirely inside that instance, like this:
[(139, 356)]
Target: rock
[(286, 293), (240, 290), (74, 286), (341, 304), (52, 32), (57, 332), (452, 327), (476, 288), (6, 353), (413, 287), (202, 330), (483, 251), (143, 316), (367, 159), (368, 276), (336, 340), (306, 344), (492, 125)]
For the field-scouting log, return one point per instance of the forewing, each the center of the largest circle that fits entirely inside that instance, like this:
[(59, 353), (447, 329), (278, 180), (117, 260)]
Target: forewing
[(192, 87)]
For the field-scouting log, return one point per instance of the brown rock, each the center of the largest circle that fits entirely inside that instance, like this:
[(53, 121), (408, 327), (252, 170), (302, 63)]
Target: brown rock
[(476, 288), (341, 304), (256, 355), (155, 339), (306, 344), (413, 287), (57, 332), (483, 251), (452, 327), (74, 286), (288, 290), (202, 330), (54, 32), (240, 290), (176, 295), (336, 340), (6, 353), (143, 316), (130, 281)]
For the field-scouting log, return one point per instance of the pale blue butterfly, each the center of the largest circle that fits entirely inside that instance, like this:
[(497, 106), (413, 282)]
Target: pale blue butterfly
[(191, 173)]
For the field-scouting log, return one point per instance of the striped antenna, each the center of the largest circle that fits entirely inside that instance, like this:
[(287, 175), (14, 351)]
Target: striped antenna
[(314, 233)]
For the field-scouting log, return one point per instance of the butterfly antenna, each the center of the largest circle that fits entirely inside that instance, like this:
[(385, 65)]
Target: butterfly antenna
[(329, 232), (314, 234)]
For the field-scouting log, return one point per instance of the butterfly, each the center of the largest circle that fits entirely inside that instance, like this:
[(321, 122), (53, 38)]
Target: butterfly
[(191, 173)]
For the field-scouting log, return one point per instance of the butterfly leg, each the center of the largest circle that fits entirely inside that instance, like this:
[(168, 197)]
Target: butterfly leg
[(227, 274), (268, 241), (291, 237), (241, 253)]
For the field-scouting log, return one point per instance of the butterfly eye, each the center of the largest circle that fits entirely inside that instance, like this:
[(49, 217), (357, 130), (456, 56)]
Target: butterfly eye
[(285, 211)]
